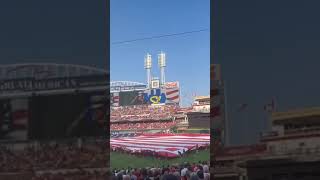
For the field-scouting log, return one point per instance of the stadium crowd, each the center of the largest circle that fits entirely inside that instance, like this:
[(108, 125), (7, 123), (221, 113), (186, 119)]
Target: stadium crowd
[(53, 157), (185, 171), (145, 125), (142, 112), (76, 175)]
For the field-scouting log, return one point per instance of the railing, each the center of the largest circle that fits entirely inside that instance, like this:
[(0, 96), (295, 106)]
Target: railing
[(299, 131), (16, 176), (291, 133), (289, 153), (56, 171), (297, 151), (29, 175), (142, 120), (269, 134), (20, 145)]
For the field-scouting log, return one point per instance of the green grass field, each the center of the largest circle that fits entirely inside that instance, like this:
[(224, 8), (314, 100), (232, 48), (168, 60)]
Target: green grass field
[(121, 160)]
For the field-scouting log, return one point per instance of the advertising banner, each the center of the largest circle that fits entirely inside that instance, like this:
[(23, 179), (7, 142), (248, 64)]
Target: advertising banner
[(155, 96), (162, 96), (33, 84), (169, 85)]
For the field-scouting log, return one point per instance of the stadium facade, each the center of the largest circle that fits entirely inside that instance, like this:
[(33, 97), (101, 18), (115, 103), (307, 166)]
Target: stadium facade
[(292, 146), (126, 93), (219, 122), (156, 91), (73, 98)]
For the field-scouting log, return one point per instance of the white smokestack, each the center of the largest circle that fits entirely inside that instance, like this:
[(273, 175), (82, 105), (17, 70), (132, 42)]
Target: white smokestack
[(162, 65), (148, 66)]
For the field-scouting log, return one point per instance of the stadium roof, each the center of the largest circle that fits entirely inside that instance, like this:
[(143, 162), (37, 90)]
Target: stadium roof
[(302, 114), (125, 83), (202, 98), (47, 70), (118, 86)]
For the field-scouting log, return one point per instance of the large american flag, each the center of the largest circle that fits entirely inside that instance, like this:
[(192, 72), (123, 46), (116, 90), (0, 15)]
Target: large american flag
[(165, 145)]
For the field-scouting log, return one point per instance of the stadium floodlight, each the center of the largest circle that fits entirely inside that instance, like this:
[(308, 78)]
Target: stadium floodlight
[(162, 65), (147, 66), (147, 61)]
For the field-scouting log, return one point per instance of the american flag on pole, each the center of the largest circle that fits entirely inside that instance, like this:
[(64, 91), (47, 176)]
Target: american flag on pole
[(165, 145)]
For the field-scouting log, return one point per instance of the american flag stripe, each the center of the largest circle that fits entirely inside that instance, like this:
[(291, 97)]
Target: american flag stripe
[(163, 145), (158, 146), (170, 153), (167, 140), (152, 148), (172, 92), (171, 138), (172, 95)]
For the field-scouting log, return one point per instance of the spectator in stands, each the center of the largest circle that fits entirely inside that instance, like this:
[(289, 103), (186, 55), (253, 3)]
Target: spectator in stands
[(52, 157), (200, 174), (184, 170), (174, 172), (206, 176), (143, 112)]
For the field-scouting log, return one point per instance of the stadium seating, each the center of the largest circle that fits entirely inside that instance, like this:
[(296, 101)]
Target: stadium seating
[(142, 112), (135, 126), (55, 157)]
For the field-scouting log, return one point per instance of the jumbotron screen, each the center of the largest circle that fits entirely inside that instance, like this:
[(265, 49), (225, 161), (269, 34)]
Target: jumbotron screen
[(62, 116), (14, 119), (131, 98)]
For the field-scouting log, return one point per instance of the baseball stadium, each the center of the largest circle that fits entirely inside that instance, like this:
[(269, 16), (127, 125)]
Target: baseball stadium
[(149, 128), (54, 123)]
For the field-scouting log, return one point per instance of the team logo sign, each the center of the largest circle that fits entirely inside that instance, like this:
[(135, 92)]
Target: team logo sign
[(155, 97)]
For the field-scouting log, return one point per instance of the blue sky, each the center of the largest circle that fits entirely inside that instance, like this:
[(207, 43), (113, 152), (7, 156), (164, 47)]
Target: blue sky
[(71, 32), (267, 49), (188, 56)]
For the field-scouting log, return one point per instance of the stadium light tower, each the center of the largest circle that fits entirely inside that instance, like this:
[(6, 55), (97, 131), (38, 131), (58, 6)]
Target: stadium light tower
[(162, 65), (147, 66)]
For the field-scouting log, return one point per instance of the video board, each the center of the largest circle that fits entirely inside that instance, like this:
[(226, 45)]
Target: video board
[(130, 98)]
